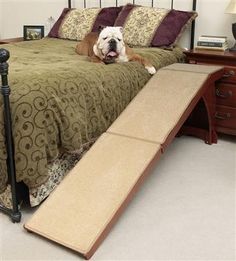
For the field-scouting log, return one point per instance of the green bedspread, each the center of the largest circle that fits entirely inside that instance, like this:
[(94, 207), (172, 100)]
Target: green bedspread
[(60, 101)]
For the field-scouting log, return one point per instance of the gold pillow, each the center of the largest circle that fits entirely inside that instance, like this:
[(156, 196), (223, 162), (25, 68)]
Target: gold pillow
[(78, 23), (74, 24)]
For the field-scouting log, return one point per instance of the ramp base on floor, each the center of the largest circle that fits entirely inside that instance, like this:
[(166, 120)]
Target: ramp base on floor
[(81, 211)]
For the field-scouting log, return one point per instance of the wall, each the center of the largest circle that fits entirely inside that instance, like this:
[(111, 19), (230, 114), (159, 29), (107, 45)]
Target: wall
[(16, 13), (1, 23), (212, 20)]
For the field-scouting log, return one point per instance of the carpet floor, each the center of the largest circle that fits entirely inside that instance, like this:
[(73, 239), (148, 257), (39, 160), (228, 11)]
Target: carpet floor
[(184, 211)]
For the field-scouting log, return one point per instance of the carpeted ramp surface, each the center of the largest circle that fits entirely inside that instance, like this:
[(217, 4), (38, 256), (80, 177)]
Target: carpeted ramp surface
[(158, 107), (83, 208), (78, 212)]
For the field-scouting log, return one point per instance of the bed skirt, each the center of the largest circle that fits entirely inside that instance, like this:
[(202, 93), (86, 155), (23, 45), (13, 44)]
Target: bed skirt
[(57, 170)]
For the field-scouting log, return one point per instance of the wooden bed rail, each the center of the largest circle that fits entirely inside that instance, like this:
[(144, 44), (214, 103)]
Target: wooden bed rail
[(14, 213)]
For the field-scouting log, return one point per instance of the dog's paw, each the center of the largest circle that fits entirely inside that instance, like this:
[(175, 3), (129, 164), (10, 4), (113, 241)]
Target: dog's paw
[(151, 69)]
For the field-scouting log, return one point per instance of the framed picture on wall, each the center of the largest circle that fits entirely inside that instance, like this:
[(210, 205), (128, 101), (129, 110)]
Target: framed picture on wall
[(33, 32)]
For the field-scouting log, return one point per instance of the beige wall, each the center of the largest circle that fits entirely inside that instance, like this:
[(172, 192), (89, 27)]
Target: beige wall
[(15, 13), (212, 20), (1, 23)]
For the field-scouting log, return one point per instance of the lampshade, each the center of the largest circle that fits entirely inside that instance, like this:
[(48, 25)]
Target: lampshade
[(231, 8)]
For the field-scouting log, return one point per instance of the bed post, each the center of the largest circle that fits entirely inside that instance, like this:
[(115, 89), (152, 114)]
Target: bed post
[(193, 25), (14, 213), (69, 3)]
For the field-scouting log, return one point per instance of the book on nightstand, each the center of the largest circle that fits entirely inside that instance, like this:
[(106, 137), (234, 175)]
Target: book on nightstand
[(209, 38), (216, 43)]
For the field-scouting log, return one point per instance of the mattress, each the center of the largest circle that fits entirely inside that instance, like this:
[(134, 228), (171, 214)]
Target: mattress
[(61, 102)]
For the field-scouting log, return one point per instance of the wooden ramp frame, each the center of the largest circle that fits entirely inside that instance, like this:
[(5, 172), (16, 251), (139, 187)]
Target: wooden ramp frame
[(83, 208)]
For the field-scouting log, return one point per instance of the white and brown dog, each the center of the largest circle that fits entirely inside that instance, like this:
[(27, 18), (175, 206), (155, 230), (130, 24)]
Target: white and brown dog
[(108, 47)]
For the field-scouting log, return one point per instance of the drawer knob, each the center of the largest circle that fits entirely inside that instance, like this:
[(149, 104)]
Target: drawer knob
[(225, 95), (229, 73), (222, 116)]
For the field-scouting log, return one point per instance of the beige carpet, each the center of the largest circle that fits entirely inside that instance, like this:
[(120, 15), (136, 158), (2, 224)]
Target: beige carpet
[(184, 211)]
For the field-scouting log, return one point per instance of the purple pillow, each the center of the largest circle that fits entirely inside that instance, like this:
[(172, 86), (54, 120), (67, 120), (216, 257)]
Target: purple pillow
[(172, 27)]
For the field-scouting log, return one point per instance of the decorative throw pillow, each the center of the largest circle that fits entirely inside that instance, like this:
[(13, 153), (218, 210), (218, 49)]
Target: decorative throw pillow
[(74, 24), (150, 26), (54, 32)]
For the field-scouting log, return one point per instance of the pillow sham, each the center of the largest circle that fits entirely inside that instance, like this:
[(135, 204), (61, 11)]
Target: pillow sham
[(150, 26), (74, 24)]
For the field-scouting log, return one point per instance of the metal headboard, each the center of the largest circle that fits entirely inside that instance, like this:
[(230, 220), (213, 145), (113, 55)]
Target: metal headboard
[(194, 6), (100, 3), (152, 3)]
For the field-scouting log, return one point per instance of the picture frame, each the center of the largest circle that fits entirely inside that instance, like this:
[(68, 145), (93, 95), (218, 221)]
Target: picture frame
[(33, 32)]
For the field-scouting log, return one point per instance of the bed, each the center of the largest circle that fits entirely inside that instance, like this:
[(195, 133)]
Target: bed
[(60, 104)]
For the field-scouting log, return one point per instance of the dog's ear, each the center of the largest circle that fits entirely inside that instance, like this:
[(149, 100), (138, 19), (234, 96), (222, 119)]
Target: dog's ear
[(101, 27)]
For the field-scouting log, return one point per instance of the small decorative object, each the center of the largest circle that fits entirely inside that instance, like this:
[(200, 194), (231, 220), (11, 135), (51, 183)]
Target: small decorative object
[(231, 9), (49, 24), (33, 32)]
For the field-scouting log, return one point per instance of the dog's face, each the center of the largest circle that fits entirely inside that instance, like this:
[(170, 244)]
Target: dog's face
[(110, 44)]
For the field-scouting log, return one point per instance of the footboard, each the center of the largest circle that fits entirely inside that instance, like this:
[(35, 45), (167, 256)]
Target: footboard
[(14, 213)]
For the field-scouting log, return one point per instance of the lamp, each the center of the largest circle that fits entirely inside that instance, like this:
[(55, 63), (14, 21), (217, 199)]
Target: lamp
[(231, 9)]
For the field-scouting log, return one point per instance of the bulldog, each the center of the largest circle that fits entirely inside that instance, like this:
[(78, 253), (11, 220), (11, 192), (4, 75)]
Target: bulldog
[(108, 47)]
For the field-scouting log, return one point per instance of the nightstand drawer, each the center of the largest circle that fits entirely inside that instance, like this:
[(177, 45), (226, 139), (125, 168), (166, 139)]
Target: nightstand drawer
[(229, 75), (226, 117), (226, 94)]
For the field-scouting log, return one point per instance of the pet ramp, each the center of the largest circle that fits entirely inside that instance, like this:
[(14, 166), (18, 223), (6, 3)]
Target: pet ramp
[(80, 212)]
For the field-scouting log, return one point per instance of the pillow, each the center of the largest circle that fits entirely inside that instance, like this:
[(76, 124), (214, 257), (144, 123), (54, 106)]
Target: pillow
[(54, 30), (149, 26), (74, 24)]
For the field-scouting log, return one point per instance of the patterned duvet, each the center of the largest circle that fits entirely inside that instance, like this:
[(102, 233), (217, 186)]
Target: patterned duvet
[(61, 102)]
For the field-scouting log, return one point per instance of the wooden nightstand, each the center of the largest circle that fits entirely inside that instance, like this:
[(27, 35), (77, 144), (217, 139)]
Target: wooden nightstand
[(225, 88), (11, 40)]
